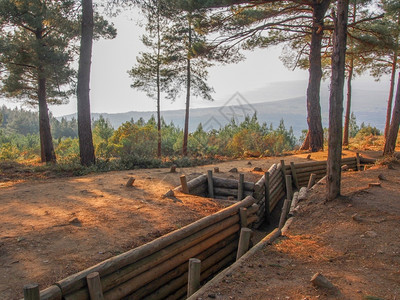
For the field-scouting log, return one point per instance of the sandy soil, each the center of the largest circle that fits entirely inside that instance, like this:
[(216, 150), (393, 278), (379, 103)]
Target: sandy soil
[(54, 227), (353, 241)]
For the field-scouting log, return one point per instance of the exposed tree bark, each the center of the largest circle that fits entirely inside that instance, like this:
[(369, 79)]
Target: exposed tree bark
[(188, 79), (348, 104), (158, 85), (316, 132), (336, 101), (46, 140), (84, 120), (391, 93), (306, 142), (390, 143), (47, 153)]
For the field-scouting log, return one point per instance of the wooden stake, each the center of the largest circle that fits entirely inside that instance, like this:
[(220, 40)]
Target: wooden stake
[(130, 182), (267, 211), (31, 292), (193, 276), (244, 242), (243, 217), (216, 170), (94, 286), (240, 187), (294, 174), (282, 220), (289, 189), (184, 185), (283, 169), (173, 169), (358, 161), (311, 182), (320, 280), (210, 184)]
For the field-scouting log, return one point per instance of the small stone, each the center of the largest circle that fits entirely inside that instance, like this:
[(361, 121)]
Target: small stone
[(257, 169), (168, 194), (75, 222), (233, 170), (382, 177), (371, 234), (249, 163), (212, 296)]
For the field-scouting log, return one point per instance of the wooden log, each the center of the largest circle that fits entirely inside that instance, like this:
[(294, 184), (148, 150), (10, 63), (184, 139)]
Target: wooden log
[(278, 190), (300, 166), (252, 219), (276, 185), (176, 278), (244, 242), (358, 161), (94, 286), (283, 169), (294, 175), (240, 193), (185, 188), (199, 190), (198, 181), (301, 170), (276, 200), (282, 219), (210, 184), (193, 276), (365, 160), (231, 184), (289, 189), (51, 293), (31, 292), (166, 254), (259, 185), (176, 282), (135, 283), (243, 217), (130, 182), (252, 210), (267, 212), (77, 281), (348, 159), (307, 175), (218, 191), (311, 182)]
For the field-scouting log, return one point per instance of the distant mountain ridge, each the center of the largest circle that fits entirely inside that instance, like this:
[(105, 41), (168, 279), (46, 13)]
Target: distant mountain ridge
[(368, 105)]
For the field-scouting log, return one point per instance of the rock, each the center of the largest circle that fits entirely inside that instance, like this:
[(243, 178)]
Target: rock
[(170, 193), (212, 296), (321, 281), (249, 163), (309, 156), (257, 169), (382, 177), (371, 234), (233, 170), (75, 221)]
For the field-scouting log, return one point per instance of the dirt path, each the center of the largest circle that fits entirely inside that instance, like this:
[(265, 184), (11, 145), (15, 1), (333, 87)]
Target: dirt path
[(353, 241), (51, 228)]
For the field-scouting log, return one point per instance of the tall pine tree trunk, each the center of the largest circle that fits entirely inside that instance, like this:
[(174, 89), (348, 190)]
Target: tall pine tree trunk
[(390, 143), (391, 93), (158, 85), (188, 82), (86, 148), (348, 104), (46, 140), (316, 132), (336, 101)]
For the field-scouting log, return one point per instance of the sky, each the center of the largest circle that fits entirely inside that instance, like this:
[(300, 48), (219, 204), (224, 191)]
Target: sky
[(110, 83)]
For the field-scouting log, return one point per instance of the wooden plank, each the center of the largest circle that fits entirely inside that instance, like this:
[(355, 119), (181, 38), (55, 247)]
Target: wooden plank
[(210, 184)]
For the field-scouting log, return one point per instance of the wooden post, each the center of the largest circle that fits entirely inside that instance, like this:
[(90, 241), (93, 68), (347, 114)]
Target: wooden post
[(94, 286), (243, 217), (244, 242), (130, 182), (358, 161), (267, 212), (240, 187), (184, 185), (311, 181), (193, 276), (210, 184), (289, 189), (283, 170), (294, 174), (285, 206), (31, 292), (173, 169)]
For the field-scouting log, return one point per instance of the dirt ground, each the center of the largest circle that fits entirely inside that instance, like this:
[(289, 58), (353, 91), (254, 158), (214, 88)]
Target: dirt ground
[(352, 241), (54, 227)]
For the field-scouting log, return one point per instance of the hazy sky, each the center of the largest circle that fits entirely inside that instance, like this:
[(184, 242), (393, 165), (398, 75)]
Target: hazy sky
[(110, 83)]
